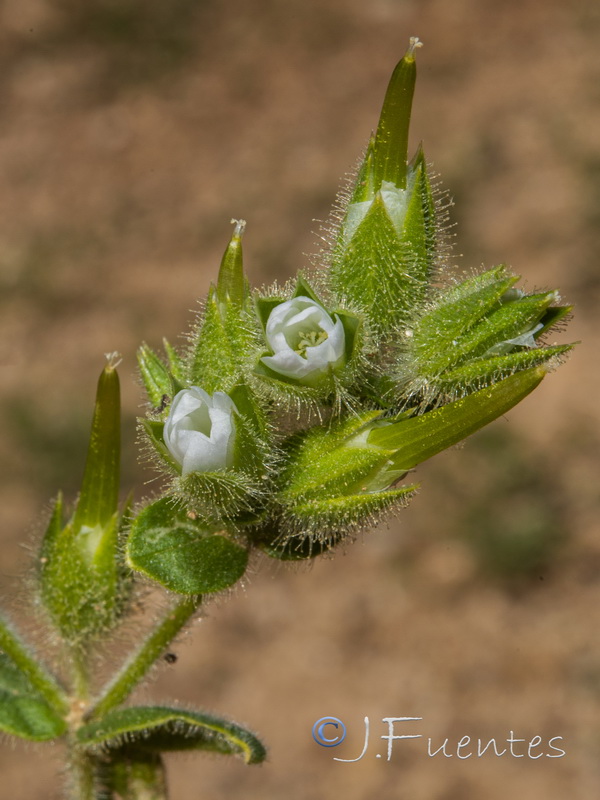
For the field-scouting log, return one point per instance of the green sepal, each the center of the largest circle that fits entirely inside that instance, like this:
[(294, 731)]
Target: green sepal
[(24, 712), (99, 496), (80, 571), (176, 363), (254, 447), (364, 186), (333, 514), (553, 315), (284, 547), (391, 139), (225, 341), (81, 578), (477, 329), (304, 289), (162, 729), (456, 311), (224, 497), (376, 269), (477, 374), (182, 553), (155, 376), (223, 345), (420, 184), (493, 333), (334, 481), (231, 284), (416, 439), (154, 431), (324, 462)]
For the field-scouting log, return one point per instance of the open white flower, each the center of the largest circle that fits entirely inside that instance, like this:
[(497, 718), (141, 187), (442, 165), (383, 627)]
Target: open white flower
[(305, 340), (200, 430)]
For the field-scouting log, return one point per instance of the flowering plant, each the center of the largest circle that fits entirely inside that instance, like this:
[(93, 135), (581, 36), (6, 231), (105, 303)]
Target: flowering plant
[(391, 359)]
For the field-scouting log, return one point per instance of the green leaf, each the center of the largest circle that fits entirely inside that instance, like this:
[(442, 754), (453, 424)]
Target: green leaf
[(182, 553), (43, 682), (416, 439), (23, 710), (160, 729)]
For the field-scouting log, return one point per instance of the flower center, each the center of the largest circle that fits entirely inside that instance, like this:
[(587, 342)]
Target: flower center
[(309, 339)]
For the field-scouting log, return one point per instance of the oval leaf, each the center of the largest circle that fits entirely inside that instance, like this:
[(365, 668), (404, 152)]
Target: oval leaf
[(181, 553), (159, 729)]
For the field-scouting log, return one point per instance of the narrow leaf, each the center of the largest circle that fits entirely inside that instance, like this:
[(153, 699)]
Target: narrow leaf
[(23, 711), (33, 671), (159, 729)]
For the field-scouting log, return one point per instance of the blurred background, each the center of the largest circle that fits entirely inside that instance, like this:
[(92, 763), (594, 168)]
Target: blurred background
[(131, 131)]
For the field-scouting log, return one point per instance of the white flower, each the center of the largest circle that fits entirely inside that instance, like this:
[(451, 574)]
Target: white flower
[(305, 341), (200, 430)]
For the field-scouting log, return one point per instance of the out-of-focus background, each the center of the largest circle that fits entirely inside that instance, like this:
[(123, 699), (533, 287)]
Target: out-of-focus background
[(131, 131)]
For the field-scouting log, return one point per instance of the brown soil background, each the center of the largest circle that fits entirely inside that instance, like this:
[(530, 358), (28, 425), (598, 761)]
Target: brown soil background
[(130, 133)]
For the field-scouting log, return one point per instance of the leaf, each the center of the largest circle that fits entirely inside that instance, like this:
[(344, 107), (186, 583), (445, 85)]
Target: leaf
[(160, 729), (43, 682), (23, 710), (181, 552)]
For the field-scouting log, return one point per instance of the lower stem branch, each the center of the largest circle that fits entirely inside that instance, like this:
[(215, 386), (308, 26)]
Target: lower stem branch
[(141, 661)]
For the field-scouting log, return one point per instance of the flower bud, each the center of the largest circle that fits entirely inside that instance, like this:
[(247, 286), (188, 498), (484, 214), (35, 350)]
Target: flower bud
[(200, 430), (305, 341)]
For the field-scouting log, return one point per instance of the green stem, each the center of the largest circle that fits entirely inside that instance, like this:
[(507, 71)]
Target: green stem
[(81, 674), (82, 776), (44, 682), (139, 663)]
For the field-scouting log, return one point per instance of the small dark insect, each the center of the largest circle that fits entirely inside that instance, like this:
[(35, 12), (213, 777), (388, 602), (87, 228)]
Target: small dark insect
[(170, 658), (164, 402)]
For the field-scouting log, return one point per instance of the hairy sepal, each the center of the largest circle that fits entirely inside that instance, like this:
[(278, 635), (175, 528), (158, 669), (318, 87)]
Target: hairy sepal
[(333, 483), (474, 334), (385, 252), (223, 346), (80, 576)]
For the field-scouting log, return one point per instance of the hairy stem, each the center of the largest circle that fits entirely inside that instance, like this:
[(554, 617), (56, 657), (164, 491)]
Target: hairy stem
[(141, 661)]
